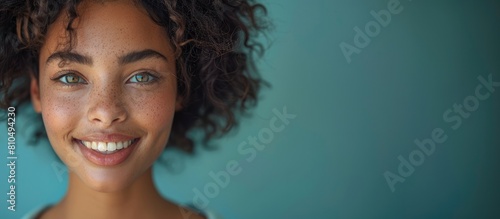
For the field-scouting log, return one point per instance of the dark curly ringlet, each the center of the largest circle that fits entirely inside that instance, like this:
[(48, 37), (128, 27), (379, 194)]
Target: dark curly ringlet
[(214, 44)]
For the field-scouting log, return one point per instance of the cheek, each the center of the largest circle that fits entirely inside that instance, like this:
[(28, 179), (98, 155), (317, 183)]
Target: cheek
[(155, 110), (154, 113), (60, 111)]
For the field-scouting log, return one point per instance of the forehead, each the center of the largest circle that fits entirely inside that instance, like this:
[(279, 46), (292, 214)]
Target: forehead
[(106, 29)]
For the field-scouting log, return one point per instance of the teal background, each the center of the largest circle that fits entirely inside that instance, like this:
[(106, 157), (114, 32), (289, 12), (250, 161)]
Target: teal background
[(353, 121)]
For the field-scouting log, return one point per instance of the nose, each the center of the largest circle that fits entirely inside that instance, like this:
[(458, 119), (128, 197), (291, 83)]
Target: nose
[(106, 107)]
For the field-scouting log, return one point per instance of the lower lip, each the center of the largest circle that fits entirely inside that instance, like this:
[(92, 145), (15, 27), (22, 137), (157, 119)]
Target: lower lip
[(107, 159)]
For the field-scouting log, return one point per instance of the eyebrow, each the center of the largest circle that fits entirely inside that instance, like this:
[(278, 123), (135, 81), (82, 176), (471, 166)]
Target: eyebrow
[(69, 57), (86, 60), (140, 55)]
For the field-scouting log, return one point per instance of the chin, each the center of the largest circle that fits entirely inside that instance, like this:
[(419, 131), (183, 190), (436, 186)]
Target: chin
[(107, 181)]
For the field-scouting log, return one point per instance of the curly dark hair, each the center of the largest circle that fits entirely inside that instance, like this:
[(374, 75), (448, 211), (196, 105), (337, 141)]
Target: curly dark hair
[(214, 44)]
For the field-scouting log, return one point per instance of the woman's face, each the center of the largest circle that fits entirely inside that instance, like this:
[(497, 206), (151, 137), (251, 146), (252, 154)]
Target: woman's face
[(108, 104)]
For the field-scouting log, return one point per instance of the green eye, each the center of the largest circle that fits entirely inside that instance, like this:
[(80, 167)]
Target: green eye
[(71, 79), (142, 77)]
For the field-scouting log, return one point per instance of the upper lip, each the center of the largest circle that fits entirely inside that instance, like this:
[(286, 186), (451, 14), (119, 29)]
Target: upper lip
[(106, 137)]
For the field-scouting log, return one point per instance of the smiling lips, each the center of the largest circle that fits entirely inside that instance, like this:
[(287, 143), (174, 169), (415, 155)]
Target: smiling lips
[(107, 153)]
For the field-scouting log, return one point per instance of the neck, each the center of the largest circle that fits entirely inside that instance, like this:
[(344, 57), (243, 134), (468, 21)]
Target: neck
[(140, 200)]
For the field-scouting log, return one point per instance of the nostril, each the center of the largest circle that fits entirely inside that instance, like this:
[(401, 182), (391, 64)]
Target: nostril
[(107, 113)]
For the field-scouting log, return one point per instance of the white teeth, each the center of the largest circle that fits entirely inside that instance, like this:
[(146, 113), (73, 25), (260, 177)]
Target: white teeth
[(111, 146), (101, 146), (119, 145), (107, 146)]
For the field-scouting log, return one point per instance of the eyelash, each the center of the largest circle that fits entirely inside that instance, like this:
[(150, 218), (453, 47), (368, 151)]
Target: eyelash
[(151, 78), (65, 74)]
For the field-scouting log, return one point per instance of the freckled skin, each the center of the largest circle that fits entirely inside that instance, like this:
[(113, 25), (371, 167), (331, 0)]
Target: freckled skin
[(108, 101)]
